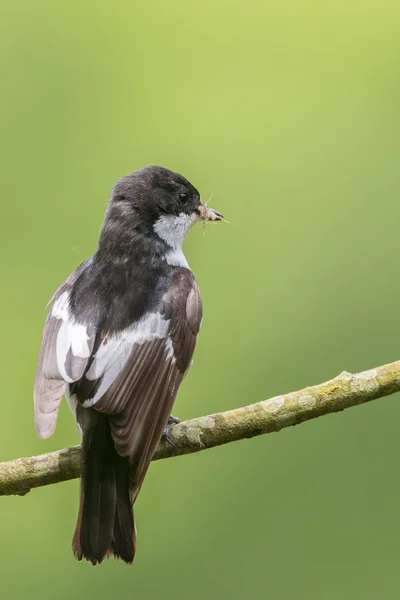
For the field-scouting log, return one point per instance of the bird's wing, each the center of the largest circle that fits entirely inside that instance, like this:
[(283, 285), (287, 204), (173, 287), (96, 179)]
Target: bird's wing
[(65, 350), (135, 374)]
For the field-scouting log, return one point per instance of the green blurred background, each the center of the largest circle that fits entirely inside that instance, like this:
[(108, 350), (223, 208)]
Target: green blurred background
[(288, 112)]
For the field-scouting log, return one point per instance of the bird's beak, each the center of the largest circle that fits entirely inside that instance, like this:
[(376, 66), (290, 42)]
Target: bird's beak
[(209, 214)]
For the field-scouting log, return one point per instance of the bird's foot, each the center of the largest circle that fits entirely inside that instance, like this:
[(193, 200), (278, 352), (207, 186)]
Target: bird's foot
[(166, 435)]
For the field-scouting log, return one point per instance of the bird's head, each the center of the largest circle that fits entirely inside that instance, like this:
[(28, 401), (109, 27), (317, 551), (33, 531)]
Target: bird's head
[(160, 201)]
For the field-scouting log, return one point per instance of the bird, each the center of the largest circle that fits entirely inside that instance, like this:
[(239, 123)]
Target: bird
[(117, 342)]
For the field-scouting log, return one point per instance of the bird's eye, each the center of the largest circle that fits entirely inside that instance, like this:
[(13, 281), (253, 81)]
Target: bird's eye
[(183, 197)]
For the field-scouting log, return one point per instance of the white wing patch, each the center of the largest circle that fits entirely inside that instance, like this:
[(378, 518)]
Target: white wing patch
[(71, 337), (60, 308), (170, 348), (114, 352)]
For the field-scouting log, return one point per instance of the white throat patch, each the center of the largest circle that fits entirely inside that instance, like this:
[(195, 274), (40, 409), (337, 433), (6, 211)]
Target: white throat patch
[(172, 229)]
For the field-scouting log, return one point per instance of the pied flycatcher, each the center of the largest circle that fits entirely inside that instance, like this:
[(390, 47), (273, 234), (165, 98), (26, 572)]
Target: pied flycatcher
[(117, 343)]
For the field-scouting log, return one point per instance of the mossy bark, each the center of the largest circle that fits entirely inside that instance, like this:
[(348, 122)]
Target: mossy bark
[(347, 390)]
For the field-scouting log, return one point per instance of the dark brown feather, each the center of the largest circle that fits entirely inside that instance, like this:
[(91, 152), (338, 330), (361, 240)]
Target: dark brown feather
[(119, 342), (49, 384), (122, 429), (105, 523), (140, 401)]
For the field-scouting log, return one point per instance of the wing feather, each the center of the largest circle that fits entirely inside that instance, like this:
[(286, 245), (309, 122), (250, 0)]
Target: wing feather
[(49, 385), (139, 372), (66, 348), (132, 375)]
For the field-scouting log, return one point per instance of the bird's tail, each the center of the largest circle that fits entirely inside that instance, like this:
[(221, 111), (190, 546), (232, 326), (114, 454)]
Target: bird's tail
[(105, 525)]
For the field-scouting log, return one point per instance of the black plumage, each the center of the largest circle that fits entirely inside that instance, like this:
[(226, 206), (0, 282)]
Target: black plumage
[(118, 341)]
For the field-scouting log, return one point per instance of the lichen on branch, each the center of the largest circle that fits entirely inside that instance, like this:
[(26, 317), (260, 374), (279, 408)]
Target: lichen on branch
[(344, 391)]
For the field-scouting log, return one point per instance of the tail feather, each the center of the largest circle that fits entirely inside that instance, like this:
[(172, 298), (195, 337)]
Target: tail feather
[(105, 523), (124, 534)]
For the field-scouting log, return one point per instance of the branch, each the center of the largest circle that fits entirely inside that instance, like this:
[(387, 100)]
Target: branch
[(347, 390)]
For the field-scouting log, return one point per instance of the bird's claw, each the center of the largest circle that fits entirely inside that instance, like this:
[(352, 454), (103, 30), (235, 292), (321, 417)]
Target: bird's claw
[(166, 434)]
